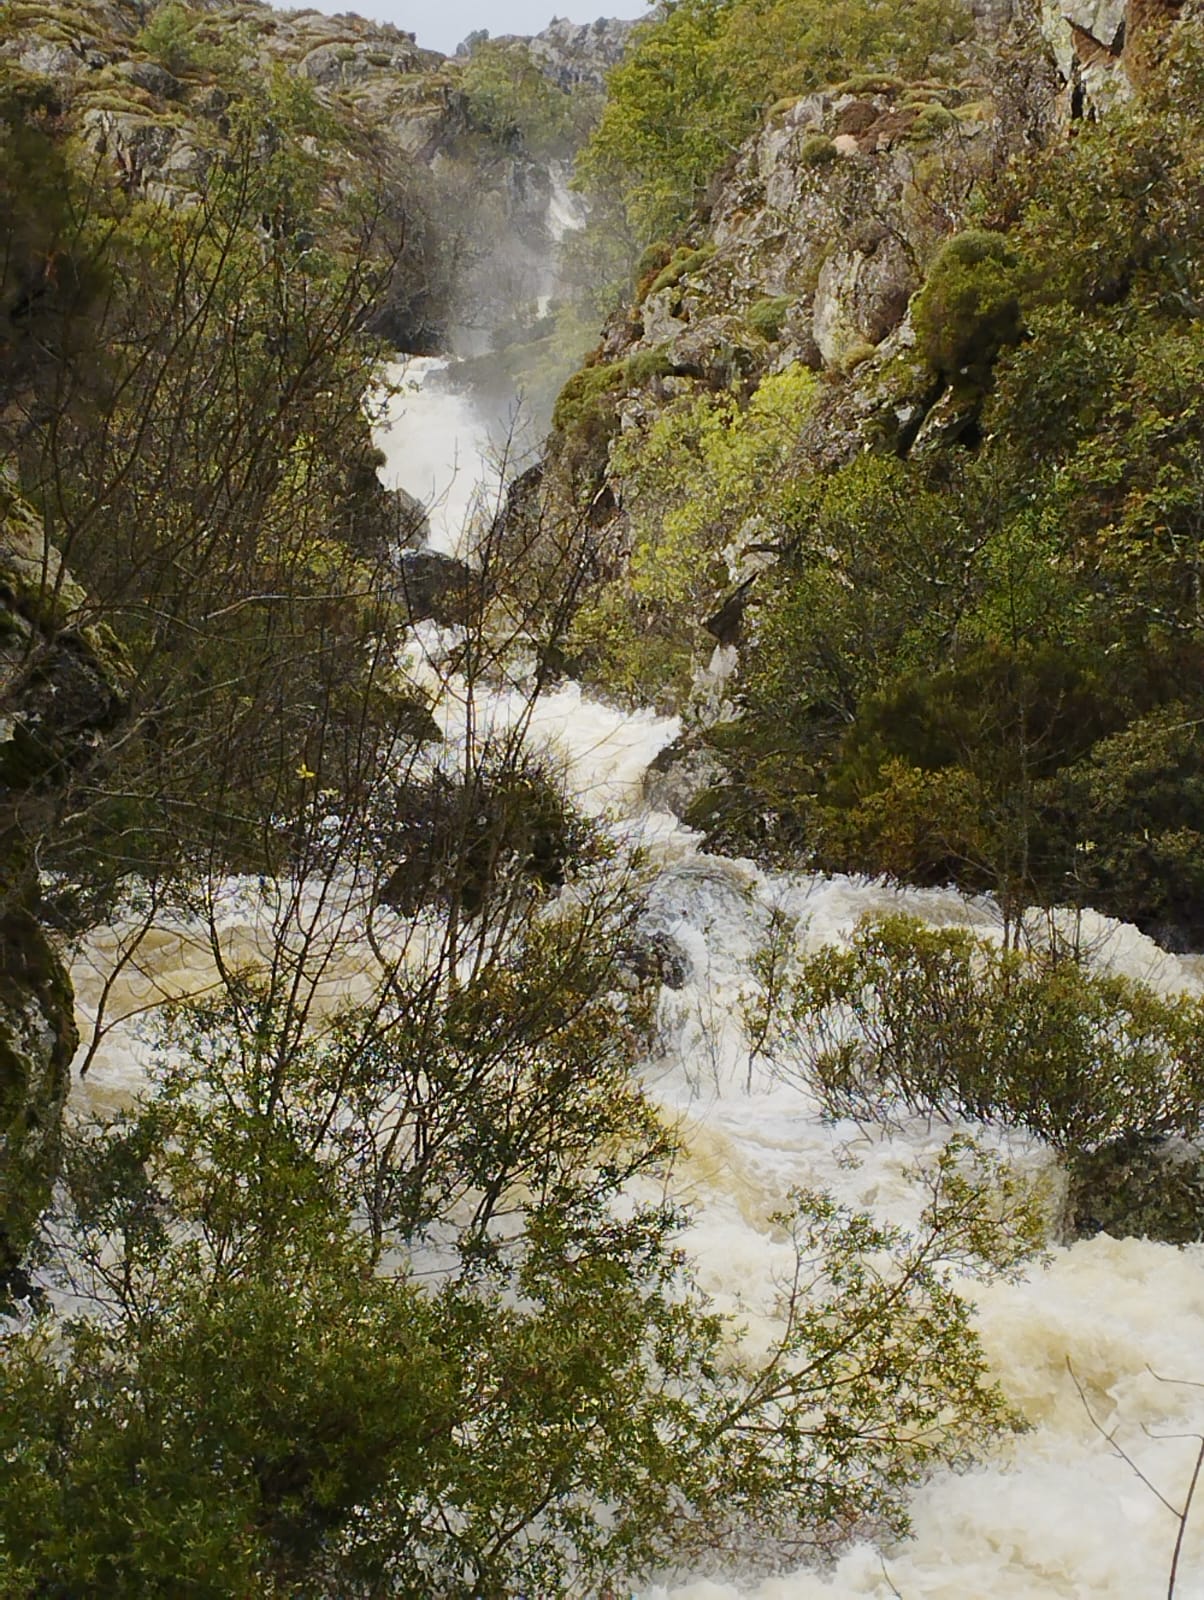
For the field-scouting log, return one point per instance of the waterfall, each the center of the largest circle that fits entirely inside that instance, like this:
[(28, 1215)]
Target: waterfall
[(1051, 1512)]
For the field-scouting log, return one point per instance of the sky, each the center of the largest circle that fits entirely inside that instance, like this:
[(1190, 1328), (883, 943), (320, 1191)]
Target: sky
[(441, 24)]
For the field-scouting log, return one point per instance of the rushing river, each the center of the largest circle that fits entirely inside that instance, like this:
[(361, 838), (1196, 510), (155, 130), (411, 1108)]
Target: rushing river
[(1054, 1511)]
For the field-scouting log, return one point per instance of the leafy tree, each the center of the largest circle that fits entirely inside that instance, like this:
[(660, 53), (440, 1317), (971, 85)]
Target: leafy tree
[(505, 1383), (960, 651), (694, 498), (512, 101)]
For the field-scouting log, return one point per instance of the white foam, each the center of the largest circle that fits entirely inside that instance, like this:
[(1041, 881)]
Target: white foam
[(437, 448)]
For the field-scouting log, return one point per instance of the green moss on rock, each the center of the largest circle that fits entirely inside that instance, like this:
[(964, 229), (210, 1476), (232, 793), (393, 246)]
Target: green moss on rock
[(765, 317), (817, 151), (38, 1038)]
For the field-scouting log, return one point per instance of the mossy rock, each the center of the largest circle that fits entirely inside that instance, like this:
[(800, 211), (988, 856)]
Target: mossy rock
[(766, 316), (932, 122), (685, 261), (38, 1039), (817, 150), (970, 305), (883, 83)]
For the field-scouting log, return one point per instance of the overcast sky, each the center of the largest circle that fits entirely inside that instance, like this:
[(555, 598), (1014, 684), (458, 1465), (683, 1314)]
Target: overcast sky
[(441, 24)]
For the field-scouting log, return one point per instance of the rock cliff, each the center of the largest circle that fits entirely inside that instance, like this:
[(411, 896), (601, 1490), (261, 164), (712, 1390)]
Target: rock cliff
[(810, 250), (62, 682)]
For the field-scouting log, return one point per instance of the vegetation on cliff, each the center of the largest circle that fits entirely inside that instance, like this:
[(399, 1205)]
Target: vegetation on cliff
[(972, 652), (984, 660), (385, 1297)]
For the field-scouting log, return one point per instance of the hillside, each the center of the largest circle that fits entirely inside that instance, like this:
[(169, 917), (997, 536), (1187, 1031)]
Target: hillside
[(905, 414)]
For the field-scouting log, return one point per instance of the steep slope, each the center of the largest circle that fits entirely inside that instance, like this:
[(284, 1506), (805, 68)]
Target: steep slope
[(906, 416)]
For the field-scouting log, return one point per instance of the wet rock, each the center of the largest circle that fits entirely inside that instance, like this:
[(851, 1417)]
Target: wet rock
[(681, 772), (654, 958), (439, 588)]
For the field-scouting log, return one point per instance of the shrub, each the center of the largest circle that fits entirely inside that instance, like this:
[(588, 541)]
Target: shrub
[(586, 415), (817, 150), (375, 1311), (684, 261), (641, 366), (969, 307), (932, 121), (765, 317), (939, 1022)]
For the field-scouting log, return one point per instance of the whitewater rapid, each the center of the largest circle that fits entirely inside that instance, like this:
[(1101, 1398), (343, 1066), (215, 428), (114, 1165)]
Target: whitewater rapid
[(1051, 1512)]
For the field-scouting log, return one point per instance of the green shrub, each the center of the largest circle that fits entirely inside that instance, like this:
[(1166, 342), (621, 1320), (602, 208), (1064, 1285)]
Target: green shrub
[(765, 317), (817, 150), (871, 83), (643, 365), (583, 406), (697, 76), (684, 261), (932, 121), (970, 305), (172, 37), (652, 260), (939, 1022), (169, 37), (1137, 803)]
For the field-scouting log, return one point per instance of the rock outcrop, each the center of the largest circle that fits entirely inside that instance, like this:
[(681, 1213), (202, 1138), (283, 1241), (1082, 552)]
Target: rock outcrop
[(62, 682), (574, 55)]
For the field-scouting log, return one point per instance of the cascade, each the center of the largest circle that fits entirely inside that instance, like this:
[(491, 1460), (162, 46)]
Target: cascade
[(1116, 1311), (1052, 1511)]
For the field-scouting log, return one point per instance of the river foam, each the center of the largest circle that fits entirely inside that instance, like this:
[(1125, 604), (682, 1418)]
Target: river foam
[(1089, 1346)]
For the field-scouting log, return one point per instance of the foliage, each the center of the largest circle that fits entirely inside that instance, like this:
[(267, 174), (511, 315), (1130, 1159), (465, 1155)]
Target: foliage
[(765, 316), (969, 307), (693, 486), (1138, 806), (48, 278), (230, 546), (516, 104), (698, 77), (939, 1022), (455, 835), (173, 37), (978, 664), (504, 1383)]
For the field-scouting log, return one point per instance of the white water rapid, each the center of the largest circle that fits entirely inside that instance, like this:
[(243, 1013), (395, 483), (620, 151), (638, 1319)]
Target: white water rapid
[(1052, 1512)]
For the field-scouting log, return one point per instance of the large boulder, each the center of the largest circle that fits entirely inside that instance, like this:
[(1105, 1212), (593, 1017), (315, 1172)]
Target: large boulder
[(439, 588)]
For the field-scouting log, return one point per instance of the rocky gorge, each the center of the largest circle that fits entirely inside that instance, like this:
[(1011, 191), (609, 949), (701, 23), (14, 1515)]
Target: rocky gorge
[(866, 542)]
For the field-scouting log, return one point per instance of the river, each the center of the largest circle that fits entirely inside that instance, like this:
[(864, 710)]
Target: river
[(1055, 1512), (1052, 1512)]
